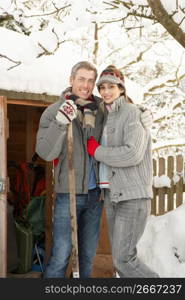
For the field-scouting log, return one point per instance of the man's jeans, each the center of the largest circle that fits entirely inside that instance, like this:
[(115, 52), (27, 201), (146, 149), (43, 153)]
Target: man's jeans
[(89, 210)]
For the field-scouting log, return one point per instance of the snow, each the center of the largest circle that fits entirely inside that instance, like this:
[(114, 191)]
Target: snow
[(25, 51), (162, 245), (176, 178), (34, 75), (161, 181)]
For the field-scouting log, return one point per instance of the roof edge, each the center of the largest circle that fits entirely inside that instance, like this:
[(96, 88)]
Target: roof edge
[(28, 96)]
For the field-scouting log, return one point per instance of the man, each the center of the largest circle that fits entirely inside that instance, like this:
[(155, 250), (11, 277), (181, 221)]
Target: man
[(77, 104)]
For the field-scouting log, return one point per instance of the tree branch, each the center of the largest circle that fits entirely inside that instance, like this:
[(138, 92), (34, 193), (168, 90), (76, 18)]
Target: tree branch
[(17, 63), (6, 17), (95, 51), (165, 20), (56, 11), (140, 12), (46, 52)]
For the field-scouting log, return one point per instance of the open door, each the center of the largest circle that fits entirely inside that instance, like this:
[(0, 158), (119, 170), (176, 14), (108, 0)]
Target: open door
[(3, 186)]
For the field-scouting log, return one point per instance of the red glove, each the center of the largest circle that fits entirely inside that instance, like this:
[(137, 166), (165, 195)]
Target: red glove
[(92, 145), (55, 162)]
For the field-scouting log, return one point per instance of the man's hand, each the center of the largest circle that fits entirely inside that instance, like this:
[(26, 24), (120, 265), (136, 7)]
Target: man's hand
[(92, 145), (147, 118), (67, 112)]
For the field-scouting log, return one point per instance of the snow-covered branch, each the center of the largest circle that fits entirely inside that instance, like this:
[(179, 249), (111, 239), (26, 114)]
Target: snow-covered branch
[(17, 63), (57, 45), (172, 25), (54, 12), (6, 17)]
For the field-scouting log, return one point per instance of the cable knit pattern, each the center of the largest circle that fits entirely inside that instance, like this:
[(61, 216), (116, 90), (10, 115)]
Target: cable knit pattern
[(128, 154), (103, 168)]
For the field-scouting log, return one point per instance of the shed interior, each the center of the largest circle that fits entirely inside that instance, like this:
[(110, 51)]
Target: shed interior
[(24, 119)]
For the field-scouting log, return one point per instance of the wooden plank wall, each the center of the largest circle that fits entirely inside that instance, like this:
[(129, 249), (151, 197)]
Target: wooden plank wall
[(23, 124), (168, 198)]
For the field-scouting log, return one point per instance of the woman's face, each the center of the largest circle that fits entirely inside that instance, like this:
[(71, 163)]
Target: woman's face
[(109, 92)]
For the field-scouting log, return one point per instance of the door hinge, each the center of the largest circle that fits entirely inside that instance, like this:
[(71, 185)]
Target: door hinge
[(2, 185)]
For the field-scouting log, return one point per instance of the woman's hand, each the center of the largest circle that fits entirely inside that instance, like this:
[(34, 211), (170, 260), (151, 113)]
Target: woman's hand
[(92, 145)]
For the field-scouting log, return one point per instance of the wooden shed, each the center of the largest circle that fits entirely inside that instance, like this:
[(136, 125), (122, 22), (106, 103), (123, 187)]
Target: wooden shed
[(19, 118)]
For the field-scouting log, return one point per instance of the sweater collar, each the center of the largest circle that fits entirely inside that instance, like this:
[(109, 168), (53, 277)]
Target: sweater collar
[(116, 104)]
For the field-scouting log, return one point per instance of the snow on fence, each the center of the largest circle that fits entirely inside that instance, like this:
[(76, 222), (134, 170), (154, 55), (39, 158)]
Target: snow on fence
[(168, 184)]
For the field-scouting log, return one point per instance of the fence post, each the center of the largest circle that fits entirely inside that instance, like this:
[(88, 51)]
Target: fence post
[(179, 184), (154, 200), (171, 190), (161, 191)]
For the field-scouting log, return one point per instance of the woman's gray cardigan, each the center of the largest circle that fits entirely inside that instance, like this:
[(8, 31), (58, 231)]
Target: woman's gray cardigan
[(128, 153)]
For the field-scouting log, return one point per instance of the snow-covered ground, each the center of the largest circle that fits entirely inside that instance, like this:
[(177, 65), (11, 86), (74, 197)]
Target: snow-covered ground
[(162, 246)]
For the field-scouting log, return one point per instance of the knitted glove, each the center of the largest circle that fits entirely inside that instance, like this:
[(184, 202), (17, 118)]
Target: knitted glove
[(67, 112), (92, 145), (147, 118)]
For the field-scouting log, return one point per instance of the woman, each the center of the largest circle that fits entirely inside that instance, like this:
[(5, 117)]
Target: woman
[(125, 173)]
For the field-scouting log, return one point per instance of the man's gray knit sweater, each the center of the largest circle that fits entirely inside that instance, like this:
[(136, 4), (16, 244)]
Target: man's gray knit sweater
[(128, 153)]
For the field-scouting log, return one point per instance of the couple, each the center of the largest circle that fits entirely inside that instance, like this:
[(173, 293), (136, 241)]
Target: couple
[(112, 156)]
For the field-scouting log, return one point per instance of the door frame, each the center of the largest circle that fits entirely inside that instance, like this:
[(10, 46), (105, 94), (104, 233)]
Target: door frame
[(3, 186)]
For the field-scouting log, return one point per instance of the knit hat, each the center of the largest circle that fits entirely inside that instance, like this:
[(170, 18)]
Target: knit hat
[(111, 75)]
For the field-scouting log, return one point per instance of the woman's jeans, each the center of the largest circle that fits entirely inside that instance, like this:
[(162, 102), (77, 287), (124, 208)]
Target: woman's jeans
[(126, 223), (89, 211)]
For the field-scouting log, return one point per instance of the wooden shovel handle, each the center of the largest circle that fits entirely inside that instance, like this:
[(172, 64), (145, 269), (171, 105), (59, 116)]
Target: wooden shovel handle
[(72, 192)]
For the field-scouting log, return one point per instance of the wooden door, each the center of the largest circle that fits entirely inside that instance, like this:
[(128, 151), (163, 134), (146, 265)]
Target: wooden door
[(3, 186)]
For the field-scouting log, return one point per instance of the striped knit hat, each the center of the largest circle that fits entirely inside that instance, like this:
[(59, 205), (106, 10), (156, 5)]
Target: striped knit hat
[(111, 75)]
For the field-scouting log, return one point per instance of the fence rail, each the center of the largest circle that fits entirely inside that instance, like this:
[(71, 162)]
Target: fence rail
[(168, 198)]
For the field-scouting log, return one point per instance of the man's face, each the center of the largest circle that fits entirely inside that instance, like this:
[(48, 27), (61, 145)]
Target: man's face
[(83, 83)]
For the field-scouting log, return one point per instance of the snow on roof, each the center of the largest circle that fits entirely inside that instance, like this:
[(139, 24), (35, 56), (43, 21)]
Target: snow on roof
[(46, 74), (23, 71)]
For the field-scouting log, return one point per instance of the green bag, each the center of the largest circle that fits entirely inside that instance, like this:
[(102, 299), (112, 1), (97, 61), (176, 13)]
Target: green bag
[(24, 237), (35, 214)]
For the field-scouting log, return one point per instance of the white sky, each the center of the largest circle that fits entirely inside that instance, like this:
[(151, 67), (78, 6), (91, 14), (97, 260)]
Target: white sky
[(163, 244)]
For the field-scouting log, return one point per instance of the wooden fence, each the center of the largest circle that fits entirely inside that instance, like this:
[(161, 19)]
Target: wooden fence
[(168, 198)]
